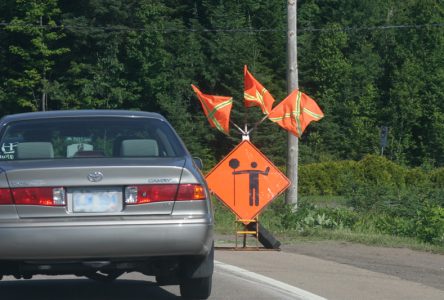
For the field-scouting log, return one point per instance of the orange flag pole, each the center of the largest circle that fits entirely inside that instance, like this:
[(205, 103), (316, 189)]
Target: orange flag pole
[(238, 128)]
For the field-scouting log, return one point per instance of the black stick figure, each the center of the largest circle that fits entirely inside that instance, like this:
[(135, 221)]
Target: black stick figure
[(234, 164), (254, 181)]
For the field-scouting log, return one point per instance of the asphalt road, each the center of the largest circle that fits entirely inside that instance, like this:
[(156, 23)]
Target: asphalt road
[(134, 286), (246, 275)]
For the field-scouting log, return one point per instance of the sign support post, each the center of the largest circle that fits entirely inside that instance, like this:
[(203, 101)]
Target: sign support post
[(247, 231)]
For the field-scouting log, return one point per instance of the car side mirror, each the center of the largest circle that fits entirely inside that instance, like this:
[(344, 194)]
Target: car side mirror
[(198, 162)]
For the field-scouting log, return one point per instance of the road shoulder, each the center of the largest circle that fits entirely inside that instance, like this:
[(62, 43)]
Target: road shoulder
[(327, 278), (421, 267)]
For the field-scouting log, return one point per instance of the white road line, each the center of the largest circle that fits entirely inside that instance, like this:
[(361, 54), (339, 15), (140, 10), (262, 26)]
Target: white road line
[(264, 280)]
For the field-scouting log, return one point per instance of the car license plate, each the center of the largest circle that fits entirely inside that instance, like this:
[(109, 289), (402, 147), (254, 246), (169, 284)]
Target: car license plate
[(96, 200)]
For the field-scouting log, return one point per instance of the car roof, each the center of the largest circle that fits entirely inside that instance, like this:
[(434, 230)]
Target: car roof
[(81, 113)]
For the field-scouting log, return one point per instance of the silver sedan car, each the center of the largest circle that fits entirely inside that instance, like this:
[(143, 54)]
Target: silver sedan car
[(98, 193)]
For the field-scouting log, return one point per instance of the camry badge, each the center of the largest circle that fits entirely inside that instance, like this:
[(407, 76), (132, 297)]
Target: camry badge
[(95, 176)]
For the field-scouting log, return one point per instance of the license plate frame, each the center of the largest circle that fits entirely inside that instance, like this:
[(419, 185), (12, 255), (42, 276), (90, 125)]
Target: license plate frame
[(86, 200)]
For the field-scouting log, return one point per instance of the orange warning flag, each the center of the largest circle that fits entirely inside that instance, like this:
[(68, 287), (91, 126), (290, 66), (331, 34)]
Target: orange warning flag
[(295, 112), (217, 109), (255, 94)]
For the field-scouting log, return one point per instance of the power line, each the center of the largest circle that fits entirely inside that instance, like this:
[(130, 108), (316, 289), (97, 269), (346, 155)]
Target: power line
[(122, 28), (371, 28)]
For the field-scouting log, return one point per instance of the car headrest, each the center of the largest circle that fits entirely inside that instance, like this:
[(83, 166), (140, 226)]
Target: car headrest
[(139, 147), (29, 150)]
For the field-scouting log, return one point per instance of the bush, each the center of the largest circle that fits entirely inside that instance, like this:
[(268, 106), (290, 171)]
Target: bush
[(328, 178), (429, 224), (380, 171), (344, 217), (340, 177), (437, 178), (310, 216), (382, 198), (383, 223), (370, 197), (417, 177)]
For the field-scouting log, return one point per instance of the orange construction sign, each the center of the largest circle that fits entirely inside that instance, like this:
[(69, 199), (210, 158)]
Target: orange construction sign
[(246, 181)]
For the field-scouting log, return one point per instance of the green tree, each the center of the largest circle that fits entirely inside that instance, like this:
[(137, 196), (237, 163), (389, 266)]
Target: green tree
[(99, 69), (34, 48)]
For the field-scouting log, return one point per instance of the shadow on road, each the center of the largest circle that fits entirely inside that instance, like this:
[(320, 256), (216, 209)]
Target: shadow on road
[(76, 289)]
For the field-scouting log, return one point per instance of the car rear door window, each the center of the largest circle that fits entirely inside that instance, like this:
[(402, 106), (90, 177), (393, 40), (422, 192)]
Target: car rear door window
[(88, 137)]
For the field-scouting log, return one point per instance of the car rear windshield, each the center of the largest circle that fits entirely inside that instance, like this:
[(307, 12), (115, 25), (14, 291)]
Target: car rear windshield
[(71, 138)]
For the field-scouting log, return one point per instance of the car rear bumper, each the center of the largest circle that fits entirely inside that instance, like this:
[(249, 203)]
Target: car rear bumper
[(88, 239)]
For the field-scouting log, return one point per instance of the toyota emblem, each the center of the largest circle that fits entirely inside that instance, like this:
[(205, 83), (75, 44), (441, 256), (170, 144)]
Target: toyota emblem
[(95, 176)]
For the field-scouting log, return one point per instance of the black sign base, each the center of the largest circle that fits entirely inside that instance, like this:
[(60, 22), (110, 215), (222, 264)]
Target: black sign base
[(265, 237)]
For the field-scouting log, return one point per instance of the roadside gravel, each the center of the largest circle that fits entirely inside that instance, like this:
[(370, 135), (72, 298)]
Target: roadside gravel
[(422, 267)]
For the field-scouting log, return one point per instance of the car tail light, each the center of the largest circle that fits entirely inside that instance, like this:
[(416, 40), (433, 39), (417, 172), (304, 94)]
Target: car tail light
[(139, 194), (5, 196), (46, 196), (191, 192)]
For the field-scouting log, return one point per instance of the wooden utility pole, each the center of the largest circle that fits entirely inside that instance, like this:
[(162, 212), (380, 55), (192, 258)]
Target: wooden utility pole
[(291, 196), (44, 96)]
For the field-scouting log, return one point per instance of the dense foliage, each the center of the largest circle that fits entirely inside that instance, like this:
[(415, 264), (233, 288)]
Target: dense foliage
[(381, 197), (138, 54), (345, 177)]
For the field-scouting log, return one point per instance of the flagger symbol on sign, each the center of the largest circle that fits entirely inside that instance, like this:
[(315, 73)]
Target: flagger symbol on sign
[(253, 179)]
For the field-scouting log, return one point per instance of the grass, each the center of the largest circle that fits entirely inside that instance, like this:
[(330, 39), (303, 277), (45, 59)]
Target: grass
[(370, 239), (224, 219)]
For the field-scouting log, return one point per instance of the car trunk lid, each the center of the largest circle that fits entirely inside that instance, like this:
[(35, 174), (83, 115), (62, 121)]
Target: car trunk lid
[(92, 188)]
